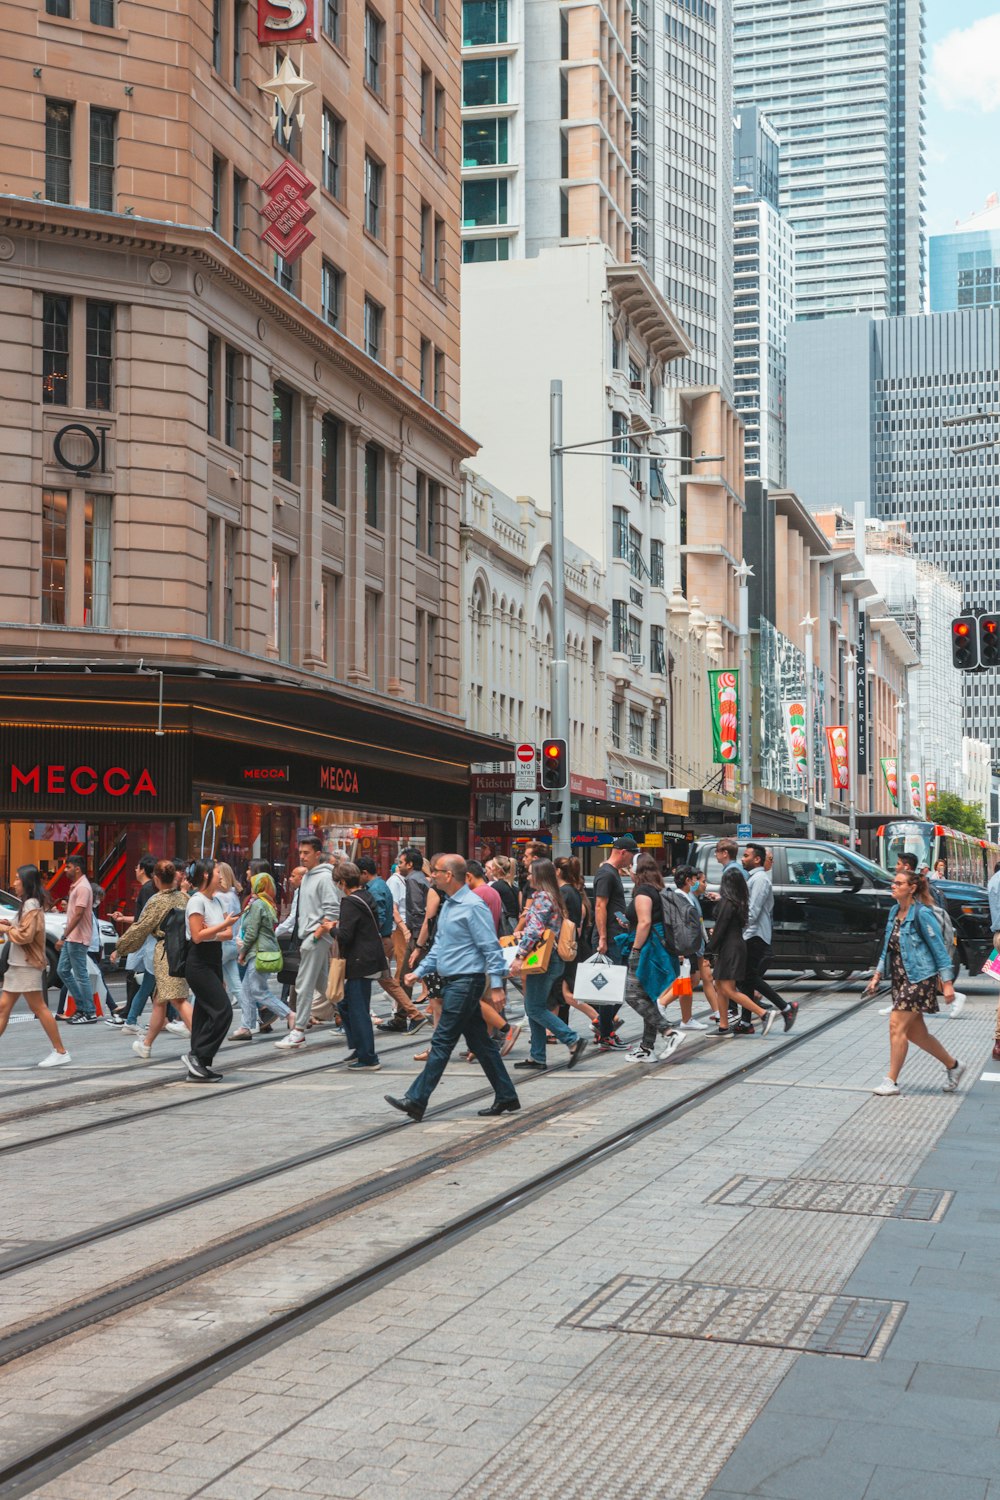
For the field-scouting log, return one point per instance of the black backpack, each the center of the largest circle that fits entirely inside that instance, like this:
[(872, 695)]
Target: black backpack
[(176, 944), (681, 924)]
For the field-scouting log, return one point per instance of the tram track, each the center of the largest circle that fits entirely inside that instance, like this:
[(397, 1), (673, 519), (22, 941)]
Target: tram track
[(48, 1458)]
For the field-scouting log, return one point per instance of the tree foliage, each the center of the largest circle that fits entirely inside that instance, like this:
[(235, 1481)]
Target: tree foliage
[(964, 817)]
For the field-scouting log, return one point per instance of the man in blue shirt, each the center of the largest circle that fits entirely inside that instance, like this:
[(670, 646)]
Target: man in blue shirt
[(464, 951)]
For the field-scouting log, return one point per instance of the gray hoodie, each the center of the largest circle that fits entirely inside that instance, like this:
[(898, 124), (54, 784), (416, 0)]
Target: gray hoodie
[(318, 898)]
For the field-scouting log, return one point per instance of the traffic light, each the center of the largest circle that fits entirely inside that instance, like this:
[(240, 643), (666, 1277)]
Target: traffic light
[(555, 765), (964, 644), (989, 640)]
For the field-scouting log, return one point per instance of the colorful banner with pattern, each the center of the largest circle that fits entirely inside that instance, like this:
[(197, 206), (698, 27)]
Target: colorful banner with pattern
[(915, 792), (836, 744), (793, 713), (930, 794), (723, 688), (891, 780)]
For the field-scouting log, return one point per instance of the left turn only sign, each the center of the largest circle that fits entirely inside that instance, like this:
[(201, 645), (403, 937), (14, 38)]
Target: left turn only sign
[(525, 810)]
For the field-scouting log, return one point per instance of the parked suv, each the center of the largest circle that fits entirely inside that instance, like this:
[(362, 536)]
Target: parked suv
[(55, 926), (830, 907)]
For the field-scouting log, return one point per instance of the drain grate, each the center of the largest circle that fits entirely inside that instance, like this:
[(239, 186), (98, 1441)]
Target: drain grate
[(875, 1199), (813, 1323)]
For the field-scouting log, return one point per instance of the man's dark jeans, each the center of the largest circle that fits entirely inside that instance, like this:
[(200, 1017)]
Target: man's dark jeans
[(759, 957), (461, 1015)]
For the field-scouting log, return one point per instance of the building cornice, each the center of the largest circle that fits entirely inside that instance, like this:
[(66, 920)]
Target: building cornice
[(204, 248)]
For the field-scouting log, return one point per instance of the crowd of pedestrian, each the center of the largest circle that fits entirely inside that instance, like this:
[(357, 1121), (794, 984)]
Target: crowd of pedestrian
[(445, 939)]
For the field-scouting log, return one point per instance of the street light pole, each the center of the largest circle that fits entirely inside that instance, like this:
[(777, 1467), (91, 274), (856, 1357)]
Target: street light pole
[(808, 623), (850, 667), (743, 575), (902, 780), (560, 666)]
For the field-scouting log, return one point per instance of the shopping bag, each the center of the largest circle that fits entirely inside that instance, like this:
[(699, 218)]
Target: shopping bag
[(335, 980), (992, 965), (599, 981), (537, 960)]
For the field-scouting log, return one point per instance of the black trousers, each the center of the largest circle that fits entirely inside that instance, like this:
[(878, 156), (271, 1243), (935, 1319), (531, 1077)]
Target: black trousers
[(759, 957), (213, 1009)]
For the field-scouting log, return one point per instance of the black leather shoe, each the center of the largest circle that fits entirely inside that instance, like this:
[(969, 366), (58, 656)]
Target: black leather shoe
[(406, 1107), (502, 1107), (529, 1062)]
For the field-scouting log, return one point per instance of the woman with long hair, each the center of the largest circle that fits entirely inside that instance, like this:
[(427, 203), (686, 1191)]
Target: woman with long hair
[(360, 942), (230, 899), (652, 968), (169, 990), (257, 936), (728, 952), (916, 957), (501, 872), (208, 927), (578, 909), (28, 962), (546, 912)]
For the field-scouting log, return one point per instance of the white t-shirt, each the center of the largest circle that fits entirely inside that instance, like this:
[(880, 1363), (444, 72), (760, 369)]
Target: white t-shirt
[(209, 907), (397, 886)]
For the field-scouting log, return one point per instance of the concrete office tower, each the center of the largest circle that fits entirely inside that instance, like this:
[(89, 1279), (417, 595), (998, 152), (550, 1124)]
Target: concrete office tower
[(763, 296), (682, 195), (545, 127), (965, 265), (842, 82), (867, 403)]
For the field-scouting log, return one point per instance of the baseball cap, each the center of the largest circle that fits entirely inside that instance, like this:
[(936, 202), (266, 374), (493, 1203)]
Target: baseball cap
[(626, 842)]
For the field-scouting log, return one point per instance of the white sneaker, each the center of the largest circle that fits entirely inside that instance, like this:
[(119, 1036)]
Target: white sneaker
[(662, 1005), (957, 1005), (670, 1045), (178, 1028), (954, 1075), (129, 1028), (886, 1087), (640, 1054), (55, 1060), (141, 1047), (293, 1039), (693, 1025), (886, 1010)]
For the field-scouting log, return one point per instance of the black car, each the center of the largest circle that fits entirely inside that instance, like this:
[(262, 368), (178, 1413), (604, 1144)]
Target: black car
[(831, 906)]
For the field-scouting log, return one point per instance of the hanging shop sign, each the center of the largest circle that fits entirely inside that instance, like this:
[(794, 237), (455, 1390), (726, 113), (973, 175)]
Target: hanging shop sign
[(81, 449), (287, 212), (93, 772), (861, 695), (281, 21), (724, 695)]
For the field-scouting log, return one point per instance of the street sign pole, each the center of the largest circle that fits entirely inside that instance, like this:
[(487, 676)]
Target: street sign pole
[(560, 666)]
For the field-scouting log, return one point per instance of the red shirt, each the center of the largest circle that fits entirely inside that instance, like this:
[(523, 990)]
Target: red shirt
[(493, 901)]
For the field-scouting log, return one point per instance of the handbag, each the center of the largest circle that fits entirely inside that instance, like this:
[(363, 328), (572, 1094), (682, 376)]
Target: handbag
[(290, 945), (269, 963), (4, 958), (537, 959), (566, 946)]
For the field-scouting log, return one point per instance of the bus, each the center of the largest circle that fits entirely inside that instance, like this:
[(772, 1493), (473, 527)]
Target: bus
[(966, 858)]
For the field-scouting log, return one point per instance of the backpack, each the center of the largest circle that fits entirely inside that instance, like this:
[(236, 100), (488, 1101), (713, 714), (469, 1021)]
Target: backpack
[(947, 927), (681, 925), (175, 942)]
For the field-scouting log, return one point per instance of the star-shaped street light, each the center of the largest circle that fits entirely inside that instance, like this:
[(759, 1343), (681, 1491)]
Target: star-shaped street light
[(287, 87)]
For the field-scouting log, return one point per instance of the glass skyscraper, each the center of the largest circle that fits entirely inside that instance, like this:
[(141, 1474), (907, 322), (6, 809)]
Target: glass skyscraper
[(842, 82), (965, 266)]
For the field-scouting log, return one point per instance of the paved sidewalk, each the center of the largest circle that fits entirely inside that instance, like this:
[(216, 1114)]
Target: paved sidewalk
[(924, 1421)]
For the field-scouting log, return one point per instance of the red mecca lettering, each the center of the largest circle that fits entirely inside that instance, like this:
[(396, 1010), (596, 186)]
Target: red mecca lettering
[(83, 781), (338, 779)]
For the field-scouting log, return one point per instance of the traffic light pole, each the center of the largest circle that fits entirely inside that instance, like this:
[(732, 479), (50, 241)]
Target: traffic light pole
[(561, 835)]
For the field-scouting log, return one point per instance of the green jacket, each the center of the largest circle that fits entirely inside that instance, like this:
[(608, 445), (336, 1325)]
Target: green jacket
[(258, 930)]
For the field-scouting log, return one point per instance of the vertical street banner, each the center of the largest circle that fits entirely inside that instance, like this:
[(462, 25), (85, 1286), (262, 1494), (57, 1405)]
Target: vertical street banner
[(888, 765), (930, 795), (793, 716), (724, 692), (861, 696), (915, 793), (836, 744)]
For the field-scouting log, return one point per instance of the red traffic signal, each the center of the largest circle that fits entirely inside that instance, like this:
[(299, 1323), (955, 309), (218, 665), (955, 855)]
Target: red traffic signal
[(964, 644), (989, 640), (555, 765)]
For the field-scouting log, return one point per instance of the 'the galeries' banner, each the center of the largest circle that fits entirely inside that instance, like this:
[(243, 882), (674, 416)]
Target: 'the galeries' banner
[(793, 715), (891, 780), (723, 688), (836, 744)]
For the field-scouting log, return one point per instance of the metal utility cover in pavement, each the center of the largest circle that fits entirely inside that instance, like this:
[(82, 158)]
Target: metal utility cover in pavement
[(877, 1199), (814, 1323)]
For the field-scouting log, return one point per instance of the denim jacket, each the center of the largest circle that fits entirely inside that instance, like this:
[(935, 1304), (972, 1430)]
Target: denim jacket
[(921, 945)]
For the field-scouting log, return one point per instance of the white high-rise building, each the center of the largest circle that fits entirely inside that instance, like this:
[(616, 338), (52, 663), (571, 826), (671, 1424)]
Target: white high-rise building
[(843, 85), (682, 192), (763, 297)]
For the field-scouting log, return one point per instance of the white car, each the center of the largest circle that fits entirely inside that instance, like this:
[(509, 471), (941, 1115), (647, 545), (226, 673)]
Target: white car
[(55, 926)]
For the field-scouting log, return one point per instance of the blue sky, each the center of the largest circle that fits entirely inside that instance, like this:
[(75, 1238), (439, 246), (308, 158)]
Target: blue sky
[(963, 108)]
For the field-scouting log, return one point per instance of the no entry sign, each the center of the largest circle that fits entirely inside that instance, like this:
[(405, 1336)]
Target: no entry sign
[(524, 768)]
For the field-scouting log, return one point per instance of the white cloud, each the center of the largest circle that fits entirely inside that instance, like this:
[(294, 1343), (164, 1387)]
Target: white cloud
[(965, 68)]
